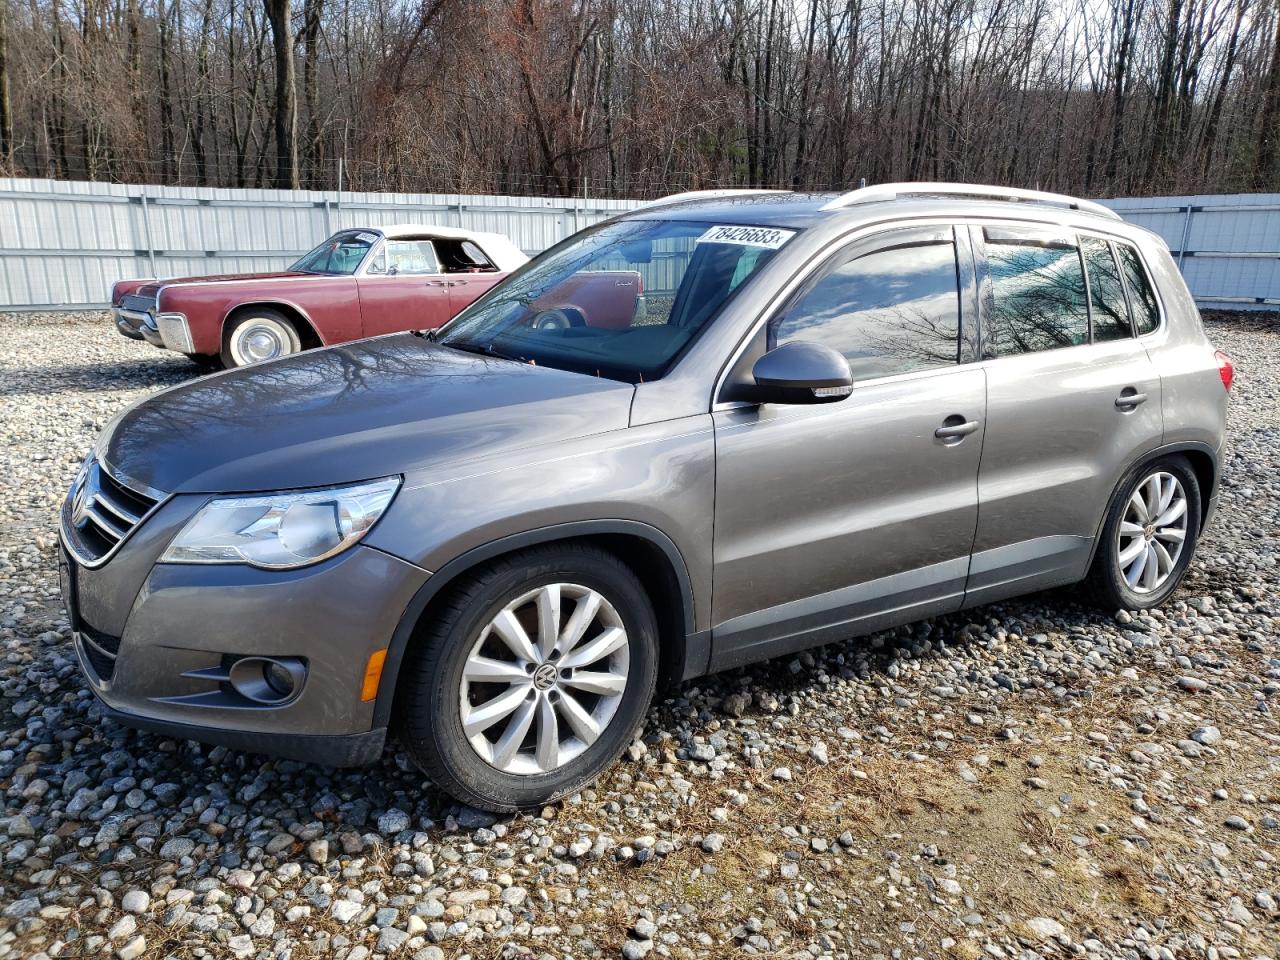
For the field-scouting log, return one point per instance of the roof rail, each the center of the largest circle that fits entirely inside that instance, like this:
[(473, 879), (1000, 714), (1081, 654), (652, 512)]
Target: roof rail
[(702, 195), (892, 191)]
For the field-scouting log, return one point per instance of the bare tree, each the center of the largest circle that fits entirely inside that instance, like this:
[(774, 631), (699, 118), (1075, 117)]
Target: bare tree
[(635, 98), (280, 14), (6, 101)]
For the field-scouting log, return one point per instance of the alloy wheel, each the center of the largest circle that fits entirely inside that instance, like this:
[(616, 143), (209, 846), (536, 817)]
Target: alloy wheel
[(1153, 531), (544, 678)]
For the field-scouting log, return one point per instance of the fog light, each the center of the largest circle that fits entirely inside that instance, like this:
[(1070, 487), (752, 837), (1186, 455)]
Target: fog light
[(278, 678), (269, 681)]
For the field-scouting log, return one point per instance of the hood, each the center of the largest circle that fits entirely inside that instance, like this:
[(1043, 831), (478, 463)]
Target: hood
[(392, 405), (152, 288)]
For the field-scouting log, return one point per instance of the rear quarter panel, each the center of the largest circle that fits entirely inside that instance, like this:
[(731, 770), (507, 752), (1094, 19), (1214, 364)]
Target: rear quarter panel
[(1194, 399), (607, 299), (330, 304)]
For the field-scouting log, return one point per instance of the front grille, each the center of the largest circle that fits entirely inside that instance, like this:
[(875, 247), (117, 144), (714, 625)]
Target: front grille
[(137, 304), (100, 649), (102, 512)]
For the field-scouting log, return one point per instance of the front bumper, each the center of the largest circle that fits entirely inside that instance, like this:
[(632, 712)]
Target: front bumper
[(169, 331), (129, 323), (152, 640), (351, 750)]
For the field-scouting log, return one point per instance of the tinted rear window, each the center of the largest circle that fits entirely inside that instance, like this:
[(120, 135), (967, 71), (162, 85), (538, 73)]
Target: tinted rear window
[(1038, 286), (1106, 292), (1146, 311)]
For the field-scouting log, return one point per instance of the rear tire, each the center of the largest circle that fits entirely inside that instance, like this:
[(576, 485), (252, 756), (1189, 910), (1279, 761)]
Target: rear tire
[(478, 716), (1149, 537), (258, 334)]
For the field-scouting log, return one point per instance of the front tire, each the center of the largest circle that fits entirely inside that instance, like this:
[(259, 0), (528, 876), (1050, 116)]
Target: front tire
[(1150, 534), (257, 335), (532, 679)]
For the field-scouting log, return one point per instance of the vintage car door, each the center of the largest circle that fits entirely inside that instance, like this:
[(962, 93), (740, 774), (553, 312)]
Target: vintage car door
[(466, 288), (403, 289)]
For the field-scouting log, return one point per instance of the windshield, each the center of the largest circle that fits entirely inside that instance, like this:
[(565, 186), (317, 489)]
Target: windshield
[(340, 255), (620, 301)]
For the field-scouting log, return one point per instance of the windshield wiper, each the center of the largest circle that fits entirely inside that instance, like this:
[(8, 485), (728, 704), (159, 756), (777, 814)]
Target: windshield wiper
[(485, 350)]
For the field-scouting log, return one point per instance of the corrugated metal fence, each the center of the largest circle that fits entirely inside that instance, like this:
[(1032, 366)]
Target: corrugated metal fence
[(64, 243), (1228, 245)]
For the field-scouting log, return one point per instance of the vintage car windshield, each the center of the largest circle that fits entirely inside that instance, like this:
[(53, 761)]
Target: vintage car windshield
[(620, 301), (339, 256)]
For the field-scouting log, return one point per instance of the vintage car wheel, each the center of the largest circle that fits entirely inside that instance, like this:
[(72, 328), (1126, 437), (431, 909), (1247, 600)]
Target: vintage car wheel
[(532, 678), (561, 318), (258, 335)]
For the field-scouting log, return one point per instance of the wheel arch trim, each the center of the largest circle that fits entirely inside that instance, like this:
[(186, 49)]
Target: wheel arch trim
[(1150, 456), (696, 652), (274, 303)]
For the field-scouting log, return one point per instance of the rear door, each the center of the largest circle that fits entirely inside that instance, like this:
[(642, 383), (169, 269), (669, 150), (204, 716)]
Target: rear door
[(403, 288), (839, 518), (1072, 400), (470, 272)]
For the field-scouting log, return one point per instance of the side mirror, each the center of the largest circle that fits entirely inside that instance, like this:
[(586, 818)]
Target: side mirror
[(801, 372)]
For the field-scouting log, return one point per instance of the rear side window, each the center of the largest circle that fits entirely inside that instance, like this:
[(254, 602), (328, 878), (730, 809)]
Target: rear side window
[(1146, 312), (463, 256), (1037, 283), (1106, 292), (891, 311)]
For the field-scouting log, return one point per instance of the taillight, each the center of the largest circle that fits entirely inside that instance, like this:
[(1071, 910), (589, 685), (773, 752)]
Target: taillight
[(1226, 371)]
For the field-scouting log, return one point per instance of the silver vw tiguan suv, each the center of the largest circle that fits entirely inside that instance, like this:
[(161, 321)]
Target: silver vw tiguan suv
[(778, 420)]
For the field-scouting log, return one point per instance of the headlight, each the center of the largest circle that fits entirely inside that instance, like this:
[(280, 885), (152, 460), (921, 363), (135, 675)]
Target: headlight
[(282, 530)]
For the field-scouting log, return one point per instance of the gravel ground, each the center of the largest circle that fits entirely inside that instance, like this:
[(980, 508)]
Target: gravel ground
[(1031, 779)]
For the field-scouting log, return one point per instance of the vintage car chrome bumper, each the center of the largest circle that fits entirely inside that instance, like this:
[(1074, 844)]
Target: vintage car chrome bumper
[(167, 330), (129, 322)]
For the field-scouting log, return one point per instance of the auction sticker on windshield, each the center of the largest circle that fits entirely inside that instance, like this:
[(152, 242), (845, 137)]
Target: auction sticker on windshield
[(769, 238)]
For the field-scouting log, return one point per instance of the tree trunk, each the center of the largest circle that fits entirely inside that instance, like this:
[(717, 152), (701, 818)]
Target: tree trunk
[(6, 102), (280, 13), (312, 12), (1267, 173), (166, 94)]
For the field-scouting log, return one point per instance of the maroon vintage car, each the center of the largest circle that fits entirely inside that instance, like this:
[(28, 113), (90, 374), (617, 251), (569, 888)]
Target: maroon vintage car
[(358, 283)]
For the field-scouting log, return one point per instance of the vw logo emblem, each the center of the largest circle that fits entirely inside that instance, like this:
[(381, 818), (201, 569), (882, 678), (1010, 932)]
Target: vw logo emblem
[(544, 678)]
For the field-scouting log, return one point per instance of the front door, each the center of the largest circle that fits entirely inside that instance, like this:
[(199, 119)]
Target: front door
[(846, 517), (1072, 400), (403, 289)]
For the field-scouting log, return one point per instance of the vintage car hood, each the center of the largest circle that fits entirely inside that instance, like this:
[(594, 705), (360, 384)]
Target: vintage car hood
[(391, 405), (150, 289)]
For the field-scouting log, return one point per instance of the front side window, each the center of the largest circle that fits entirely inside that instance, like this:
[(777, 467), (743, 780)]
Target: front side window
[(411, 257), (890, 311), (1146, 311), (621, 300), (340, 255), (1037, 284), (1106, 292)]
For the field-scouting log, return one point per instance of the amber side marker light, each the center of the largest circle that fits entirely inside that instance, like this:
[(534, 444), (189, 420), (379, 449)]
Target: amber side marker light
[(372, 675)]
